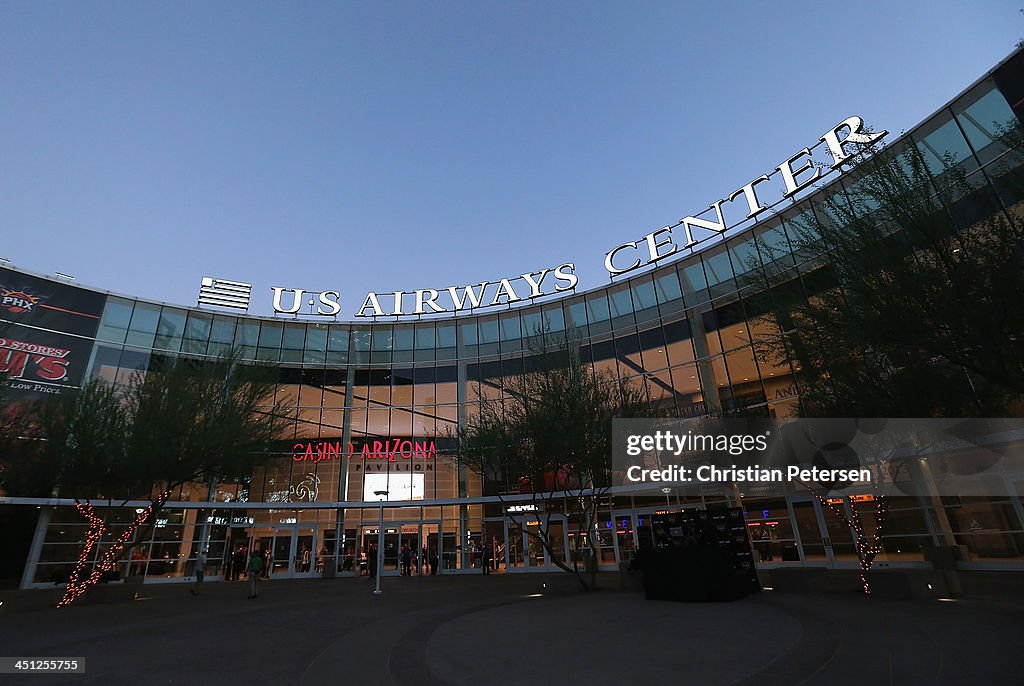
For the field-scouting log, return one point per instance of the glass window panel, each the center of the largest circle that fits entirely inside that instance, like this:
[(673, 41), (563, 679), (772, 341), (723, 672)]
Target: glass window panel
[(445, 335), (382, 338), (271, 334), (694, 280), (985, 118), (621, 302), (945, 144), (117, 314), (745, 257), (361, 345), (197, 332), (222, 330), (424, 354), (269, 349), (143, 327), (246, 336), (774, 246), (554, 319), (597, 308), (667, 287), (644, 296), (680, 352), (577, 315), (337, 339), (717, 267), (316, 337), (511, 327), (362, 340), (294, 336), (170, 330), (532, 323), (425, 337), (598, 314), (489, 330), (404, 337), (469, 333), (802, 228)]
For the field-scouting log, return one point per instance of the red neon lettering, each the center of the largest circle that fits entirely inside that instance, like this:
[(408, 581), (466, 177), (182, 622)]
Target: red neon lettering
[(295, 454)]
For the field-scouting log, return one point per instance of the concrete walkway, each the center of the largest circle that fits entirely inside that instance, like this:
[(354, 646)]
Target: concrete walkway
[(498, 630)]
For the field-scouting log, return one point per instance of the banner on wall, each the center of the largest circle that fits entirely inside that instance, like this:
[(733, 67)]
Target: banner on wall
[(35, 359)]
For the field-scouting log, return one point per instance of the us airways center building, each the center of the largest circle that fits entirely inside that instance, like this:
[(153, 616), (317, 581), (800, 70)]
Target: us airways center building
[(376, 401)]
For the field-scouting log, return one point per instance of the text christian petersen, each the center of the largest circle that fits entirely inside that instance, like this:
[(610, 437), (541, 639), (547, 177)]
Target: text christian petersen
[(698, 445)]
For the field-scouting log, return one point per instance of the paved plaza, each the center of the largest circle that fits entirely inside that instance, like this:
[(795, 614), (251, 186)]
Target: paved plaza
[(503, 630)]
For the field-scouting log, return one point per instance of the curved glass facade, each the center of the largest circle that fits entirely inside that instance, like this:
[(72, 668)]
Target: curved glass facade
[(375, 404)]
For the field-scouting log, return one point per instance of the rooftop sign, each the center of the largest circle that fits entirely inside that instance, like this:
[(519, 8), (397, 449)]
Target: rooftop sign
[(797, 172)]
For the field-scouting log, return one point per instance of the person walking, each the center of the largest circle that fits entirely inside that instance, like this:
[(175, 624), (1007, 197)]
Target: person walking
[(238, 563), (371, 560), (200, 571), (255, 570), (406, 561), (488, 553)]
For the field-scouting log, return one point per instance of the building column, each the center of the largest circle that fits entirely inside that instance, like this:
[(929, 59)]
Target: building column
[(346, 460)]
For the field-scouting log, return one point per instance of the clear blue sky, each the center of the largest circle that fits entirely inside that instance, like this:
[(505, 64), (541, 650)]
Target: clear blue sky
[(381, 146)]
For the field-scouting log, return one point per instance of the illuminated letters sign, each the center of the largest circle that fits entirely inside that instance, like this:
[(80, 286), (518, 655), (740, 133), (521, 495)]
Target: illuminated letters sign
[(796, 173), (392, 450)]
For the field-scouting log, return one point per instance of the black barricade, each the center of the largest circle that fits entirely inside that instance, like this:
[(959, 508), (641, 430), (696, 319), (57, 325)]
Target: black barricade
[(697, 556)]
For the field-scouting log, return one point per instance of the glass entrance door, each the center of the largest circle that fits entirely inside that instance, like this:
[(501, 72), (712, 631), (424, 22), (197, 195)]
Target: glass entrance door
[(625, 536), (304, 557), (413, 537), (292, 552), (282, 553), (536, 555), (824, 539)]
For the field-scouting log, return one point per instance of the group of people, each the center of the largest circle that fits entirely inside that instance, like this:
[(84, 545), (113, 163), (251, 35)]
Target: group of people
[(256, 566), (240, 563), (407, 560)]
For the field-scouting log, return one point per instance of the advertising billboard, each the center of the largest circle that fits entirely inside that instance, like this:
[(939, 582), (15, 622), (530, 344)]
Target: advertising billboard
[(36, 360), (398, 486)]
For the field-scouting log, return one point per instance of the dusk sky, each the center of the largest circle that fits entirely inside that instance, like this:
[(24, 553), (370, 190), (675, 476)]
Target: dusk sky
[(402, 145)]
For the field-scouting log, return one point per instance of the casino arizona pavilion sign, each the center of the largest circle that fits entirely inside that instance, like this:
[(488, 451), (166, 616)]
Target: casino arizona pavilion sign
[(797, 172)]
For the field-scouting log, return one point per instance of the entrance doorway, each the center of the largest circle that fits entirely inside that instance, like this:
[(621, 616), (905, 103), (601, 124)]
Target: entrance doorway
[(824, 540), (523, 549), (421, 539), (289, 551)]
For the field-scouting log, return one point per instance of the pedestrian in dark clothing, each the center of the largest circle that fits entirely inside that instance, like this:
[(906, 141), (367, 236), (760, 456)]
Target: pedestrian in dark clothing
[(238, 563), (371, 560), (406, 561), (255, 570)]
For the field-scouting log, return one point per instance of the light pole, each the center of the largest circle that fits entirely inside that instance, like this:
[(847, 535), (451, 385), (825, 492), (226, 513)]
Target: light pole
[(380, 540), (666, 490)]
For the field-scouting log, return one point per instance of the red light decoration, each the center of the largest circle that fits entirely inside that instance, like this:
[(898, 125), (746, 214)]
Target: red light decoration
[(77, 586)]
